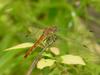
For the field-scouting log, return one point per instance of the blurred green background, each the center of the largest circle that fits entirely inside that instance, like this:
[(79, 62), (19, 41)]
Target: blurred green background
[(78, 24)]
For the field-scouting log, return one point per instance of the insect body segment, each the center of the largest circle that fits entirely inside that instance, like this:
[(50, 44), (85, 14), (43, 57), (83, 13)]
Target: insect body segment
[(34, 46)]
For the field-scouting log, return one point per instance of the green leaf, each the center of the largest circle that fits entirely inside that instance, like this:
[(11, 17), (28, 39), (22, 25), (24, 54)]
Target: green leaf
[(45, 63), (19, 46), (47, 55), (55, 50), (72, 59)]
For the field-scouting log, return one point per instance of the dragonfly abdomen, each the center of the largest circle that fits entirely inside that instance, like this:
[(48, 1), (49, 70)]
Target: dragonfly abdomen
[(42, 37)]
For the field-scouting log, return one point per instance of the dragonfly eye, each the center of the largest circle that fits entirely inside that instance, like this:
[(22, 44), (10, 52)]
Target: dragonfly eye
[(53, 29), (50, 30)]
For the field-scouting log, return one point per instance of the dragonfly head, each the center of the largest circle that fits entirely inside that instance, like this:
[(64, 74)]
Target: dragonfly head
[(50, 30), (53, 29)]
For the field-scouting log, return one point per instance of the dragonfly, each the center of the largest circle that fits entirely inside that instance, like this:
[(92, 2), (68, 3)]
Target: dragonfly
[(48, 34)]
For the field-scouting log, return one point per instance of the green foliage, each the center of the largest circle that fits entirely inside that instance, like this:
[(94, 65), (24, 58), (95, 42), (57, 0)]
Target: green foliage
[(23, 21)]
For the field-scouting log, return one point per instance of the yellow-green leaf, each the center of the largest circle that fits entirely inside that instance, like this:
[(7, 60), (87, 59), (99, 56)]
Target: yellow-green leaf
[(55, 50), (19, 46), (72, 59), (45, 63)]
